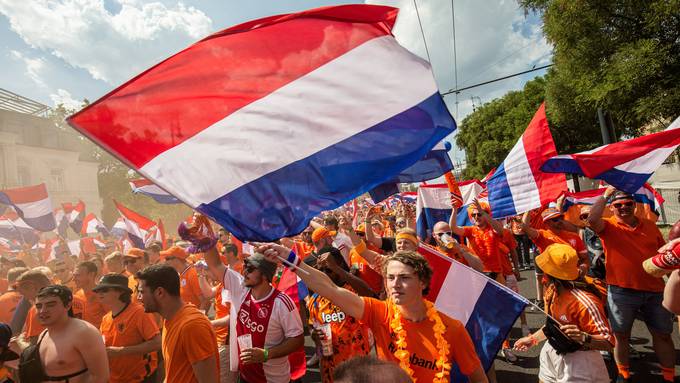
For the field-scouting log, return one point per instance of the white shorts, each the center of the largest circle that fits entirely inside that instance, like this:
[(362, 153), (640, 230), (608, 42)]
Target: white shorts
[(579, 366)]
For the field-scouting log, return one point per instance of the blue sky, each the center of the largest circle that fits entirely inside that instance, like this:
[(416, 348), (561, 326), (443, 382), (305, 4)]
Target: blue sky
[(67, 50)]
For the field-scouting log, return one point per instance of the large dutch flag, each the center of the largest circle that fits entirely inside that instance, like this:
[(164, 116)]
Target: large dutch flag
[(626, 165), (92, 225), (264, 125), (32, 204), (148, 188), (518, 184), (486, 308), (137, 226)]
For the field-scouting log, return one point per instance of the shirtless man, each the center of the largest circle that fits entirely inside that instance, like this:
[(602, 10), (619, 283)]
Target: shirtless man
[(70, 350)]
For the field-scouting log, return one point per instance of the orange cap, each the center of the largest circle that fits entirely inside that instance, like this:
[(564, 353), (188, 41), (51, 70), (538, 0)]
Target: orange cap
[(174, 251), (320, 233), (135, 253)]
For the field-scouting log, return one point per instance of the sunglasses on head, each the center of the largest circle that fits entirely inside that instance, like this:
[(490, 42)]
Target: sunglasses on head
[(619, 205)]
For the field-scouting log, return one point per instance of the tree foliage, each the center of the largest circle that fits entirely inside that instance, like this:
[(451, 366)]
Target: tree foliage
[(621, 55)]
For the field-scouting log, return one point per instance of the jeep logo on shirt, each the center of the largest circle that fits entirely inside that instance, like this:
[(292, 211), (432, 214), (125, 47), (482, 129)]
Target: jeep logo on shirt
[(335, 317)]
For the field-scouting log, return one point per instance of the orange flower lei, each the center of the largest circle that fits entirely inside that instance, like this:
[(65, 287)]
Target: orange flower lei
[(404, 355)]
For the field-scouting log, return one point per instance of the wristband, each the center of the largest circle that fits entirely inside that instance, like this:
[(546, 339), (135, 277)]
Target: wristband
[(266, 355), (293, 260), (361, 247)]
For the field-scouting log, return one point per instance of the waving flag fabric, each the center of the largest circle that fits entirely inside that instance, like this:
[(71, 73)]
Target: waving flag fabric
[(435, 164), (119, 229), (486, 308), (148, 188), (626, 165), (92, 225), (518, 184), (434, 205), (75, 215), (14, 228), (137, 226), (32, 204), (265, 125)]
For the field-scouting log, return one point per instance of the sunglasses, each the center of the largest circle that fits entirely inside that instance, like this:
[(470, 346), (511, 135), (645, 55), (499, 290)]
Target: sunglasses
[(583, 217), (129, 261), (476, 215), (250, 269), (441, 234), (169, 258), (620, 205), (555, 220)]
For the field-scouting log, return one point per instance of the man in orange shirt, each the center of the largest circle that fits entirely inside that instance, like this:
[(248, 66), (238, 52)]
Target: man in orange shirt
[(63, 275), (133, 262), (448, 245), (85, 277), (484, 238), (628, 241), (114, 263), (408, 329), (188, 342), (176, 257), (130, 335), (10, 299)]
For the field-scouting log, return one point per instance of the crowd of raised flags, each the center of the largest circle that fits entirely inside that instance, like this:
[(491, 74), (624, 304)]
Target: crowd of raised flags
[(262, 155)]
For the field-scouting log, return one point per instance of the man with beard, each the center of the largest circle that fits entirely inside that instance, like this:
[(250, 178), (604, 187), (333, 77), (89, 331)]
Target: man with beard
[(69, 350), (266, 325), (188, 340)]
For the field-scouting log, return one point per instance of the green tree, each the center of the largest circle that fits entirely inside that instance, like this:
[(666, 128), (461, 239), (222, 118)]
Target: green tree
[(621, 55)]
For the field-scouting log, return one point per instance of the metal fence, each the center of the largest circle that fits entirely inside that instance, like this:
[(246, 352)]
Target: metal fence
[(670, 211)]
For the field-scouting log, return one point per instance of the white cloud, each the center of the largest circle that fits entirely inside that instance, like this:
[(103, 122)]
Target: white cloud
[(34, 66), (111, 47), (64, 98)]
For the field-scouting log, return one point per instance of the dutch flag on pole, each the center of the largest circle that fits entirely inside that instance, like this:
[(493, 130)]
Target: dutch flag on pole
[(137, 226), (518, 184), (486, 308), (32, 204), (626, 165), (148, 188), (264, 125)]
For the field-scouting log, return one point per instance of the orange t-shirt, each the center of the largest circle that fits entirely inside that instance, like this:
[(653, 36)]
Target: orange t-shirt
[(581, 308), (187, 338), (455, 255), (420, 340), (8, 304), (348, 336), (548, 237), (130, 327), (625, 249), (221, 311), (477, 240), (189, 289), (93, 311), (132, 285), (33, 328), (373, 278)]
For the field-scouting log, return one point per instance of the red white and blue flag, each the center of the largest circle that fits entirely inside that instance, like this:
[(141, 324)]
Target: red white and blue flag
[(265, 125), (148, 188), (137, 226), (92, 225), (626, 165), (14, 228), (434, 205), (74, 215), (518, 184), (32, 204), (647, 199)]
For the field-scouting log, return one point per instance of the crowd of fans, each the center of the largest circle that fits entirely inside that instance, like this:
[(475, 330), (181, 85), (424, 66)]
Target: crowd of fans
[(204, 308)]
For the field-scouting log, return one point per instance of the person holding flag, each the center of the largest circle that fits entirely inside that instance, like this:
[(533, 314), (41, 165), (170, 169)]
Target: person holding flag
[(408, 329)]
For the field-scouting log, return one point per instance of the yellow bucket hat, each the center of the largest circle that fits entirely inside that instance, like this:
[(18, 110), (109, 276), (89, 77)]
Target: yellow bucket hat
[(559, 261)]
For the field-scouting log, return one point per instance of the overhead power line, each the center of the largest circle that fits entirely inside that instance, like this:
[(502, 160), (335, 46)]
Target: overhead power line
[(456, 91)]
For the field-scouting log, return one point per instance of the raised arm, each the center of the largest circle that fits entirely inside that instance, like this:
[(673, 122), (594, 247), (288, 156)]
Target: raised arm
[(348, 301), (526, 226), (595, 217), (455, 229), (470, 257), (356, 283)]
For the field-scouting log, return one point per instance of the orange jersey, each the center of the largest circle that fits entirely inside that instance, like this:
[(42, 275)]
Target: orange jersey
[(349, 337), (8, 304), (189, 289), (486, 245), (132, 285), (455, 254), (548, 237), (187, 338), (130, 327), (373, 279), (221, 311), (625, 249), (420, 340), (578, 307), (93, 311), (4, 285)]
